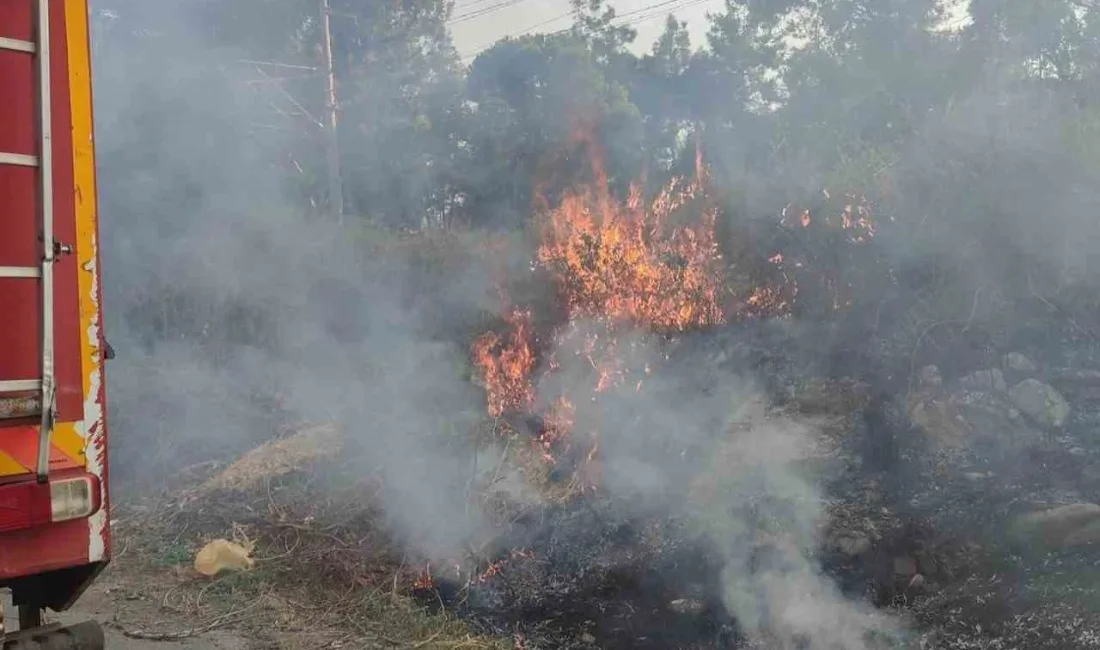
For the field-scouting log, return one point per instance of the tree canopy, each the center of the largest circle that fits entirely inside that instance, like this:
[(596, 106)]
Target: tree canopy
[(971, 126)]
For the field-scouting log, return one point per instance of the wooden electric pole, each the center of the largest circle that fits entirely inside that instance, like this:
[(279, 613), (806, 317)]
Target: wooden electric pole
[(332, 147)]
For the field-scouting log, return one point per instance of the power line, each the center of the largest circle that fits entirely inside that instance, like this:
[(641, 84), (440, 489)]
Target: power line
[(484, 11), (523, 32), (684, 4), (472, 3), (548, 21), (658, 5), (635, 17)]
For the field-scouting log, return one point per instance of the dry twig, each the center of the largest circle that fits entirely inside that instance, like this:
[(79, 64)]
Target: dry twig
[(218, 621)]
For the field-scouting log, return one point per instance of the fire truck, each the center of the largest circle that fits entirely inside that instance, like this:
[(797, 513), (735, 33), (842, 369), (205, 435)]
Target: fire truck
[(54, 525)]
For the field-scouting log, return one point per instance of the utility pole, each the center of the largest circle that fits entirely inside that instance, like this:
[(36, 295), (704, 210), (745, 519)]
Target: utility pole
[(332, 147)]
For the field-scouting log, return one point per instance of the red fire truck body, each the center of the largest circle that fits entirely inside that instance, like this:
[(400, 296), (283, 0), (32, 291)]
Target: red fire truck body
[(54, 526)]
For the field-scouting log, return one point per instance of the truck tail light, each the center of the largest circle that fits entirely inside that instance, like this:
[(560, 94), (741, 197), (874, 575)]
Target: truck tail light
[(72, 499), (27, 504)]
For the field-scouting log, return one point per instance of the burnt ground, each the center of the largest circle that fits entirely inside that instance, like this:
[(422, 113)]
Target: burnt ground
[(924, 506), (598, 579), (922, 525)]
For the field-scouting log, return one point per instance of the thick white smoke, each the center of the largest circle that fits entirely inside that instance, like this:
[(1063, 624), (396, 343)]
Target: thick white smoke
[(220, 298)]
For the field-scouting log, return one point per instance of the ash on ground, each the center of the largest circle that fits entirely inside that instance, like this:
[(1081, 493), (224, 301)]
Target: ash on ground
[(964, 507)]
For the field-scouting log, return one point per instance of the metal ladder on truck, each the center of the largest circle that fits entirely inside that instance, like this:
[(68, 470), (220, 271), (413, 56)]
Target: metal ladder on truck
[(29, 397)]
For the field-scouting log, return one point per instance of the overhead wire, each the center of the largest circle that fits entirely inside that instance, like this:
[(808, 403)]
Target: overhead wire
[(635, 17), (484, 11), (467, 5), (523, 32), (659, 10), (658, 5)]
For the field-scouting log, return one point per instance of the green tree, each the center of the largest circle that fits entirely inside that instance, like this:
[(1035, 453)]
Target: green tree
[(530, 97), (398, 90), (594, 25), (659, 87)]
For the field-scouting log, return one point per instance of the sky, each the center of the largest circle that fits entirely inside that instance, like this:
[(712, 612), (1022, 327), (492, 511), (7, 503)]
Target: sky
[(476, 24)]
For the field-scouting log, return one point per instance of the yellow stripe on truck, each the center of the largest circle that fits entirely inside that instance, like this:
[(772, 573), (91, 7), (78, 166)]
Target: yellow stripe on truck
[(9, 466), (91, 430), (69, 441), (80, 98)]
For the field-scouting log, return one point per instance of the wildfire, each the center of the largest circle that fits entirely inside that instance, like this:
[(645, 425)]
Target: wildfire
[(495, 568), (840, 225), (624, 262), (506, 365), (426, 580), (557, 424), (849, 212), (770, 300), (616, 265), (650, 264)]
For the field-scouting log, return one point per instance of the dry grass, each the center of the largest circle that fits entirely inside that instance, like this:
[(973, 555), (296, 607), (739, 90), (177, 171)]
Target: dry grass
[(325, 574), (277, 458)]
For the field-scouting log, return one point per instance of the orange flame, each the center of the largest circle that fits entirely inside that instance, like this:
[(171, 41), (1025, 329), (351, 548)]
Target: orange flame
[(622, 262), (652, 264), (506, 365), (495, 568), (558, 423), (424, 579)]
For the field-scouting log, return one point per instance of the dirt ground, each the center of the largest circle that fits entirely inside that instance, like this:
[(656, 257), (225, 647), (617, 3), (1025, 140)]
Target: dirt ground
[(118, 597), (112, 601), (151, 597)]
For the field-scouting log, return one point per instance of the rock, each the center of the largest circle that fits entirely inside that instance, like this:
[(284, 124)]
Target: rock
[(1074, 376), (1078, 383), (1077, 524), (588, 638), (929, 377), (687, 606), (940, 422), (985, 403), (1041, 402), (851, 543), (992, 416), (984, 380), (934, 414), (831, 396), (905, 565), (1017, 362), (938, 418), (1090, 476)]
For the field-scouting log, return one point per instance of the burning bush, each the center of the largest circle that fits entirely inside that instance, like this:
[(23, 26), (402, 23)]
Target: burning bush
[(648, 264)]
